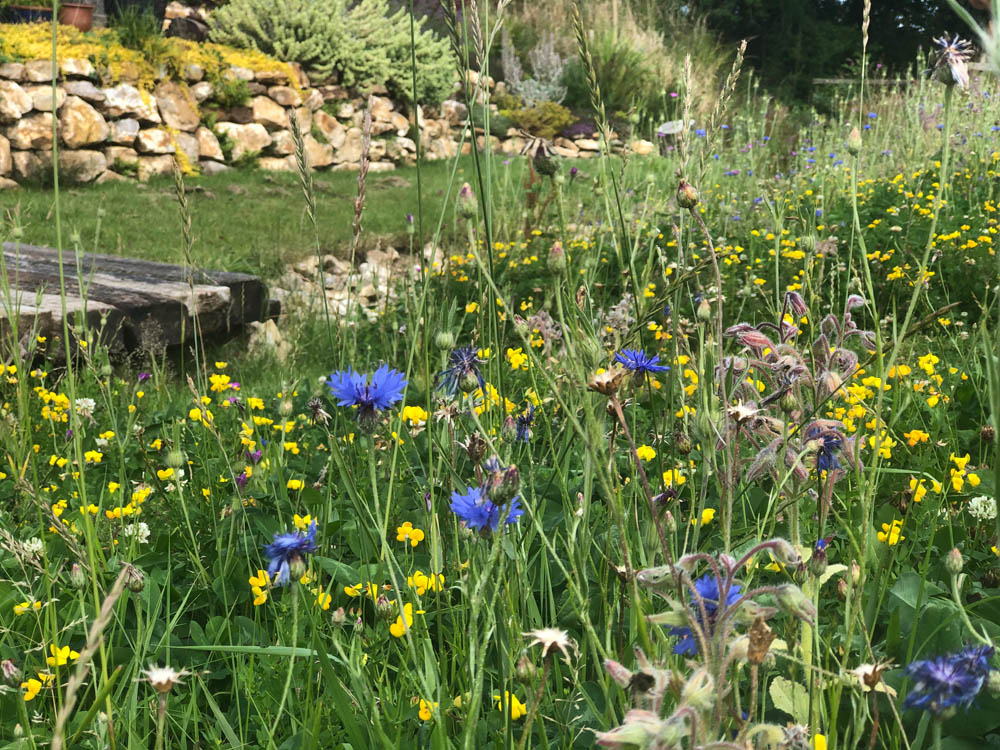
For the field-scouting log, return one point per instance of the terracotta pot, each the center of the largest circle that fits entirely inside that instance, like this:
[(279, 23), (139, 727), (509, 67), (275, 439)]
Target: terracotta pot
[(27, 14), (80, 15)]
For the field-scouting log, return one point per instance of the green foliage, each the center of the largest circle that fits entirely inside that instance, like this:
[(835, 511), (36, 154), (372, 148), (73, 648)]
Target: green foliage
[(231, 92), (543, 120), (626, 76), (136, 27), (365, 45), (127, 168), (304, 31)]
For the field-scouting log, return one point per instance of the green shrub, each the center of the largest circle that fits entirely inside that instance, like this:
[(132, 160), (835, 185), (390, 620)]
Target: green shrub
[(365, 45), (304, 31), (543, 120), (136, 27), (231, 92), (625, 76)]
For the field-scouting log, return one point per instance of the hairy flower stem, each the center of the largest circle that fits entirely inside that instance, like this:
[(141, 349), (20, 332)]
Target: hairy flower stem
[(533, 711), (161, 719), (291, 664), (616, 405)]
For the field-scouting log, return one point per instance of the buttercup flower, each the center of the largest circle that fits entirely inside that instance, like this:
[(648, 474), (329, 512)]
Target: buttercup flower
[(287, 550)]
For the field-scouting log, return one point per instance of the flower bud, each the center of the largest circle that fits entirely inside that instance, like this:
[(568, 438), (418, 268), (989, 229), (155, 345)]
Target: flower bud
[(704, 311), (504, 488), (855, 572), (993, 683), (987, 434), (135, 581), (699, 691), (509, 429), (385, 609), (297, 566), (788, 402), (557, 258), (12, 674), (339, 616), (77, 580), (468, 383), (670, 521), (953, 562), (854, 142), (286, 407), (475, 448), (682, 443), (687, 195), (785, 553), (842, 589), (817, 563), (619, 673), (359, 626), (796, 303), (174, 459), (792, 600), (106, 370), (445, 340), (466, 204), (525, 670), (559, 179)]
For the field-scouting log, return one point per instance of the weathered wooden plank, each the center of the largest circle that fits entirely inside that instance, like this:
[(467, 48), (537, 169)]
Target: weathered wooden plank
[(144, 303)]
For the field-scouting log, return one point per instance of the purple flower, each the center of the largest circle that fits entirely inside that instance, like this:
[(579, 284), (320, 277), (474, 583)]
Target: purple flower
[(287, 550), (463, 371), (143, 377), (352, 389), (947, 681), (639, 362), (477, 511), (524, 421), (241, 480), (708, 590)]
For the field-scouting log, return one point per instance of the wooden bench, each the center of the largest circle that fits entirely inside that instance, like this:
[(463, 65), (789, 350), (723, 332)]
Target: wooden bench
[(142, 304)]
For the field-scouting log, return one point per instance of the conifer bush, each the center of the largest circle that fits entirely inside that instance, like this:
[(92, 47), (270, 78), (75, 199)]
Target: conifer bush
[(365, 45)]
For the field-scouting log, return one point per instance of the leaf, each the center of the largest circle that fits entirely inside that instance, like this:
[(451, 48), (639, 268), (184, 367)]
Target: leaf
[(791, 698), (830, 572)]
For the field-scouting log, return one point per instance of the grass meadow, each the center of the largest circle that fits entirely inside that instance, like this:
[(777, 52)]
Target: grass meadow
[(695, 450)]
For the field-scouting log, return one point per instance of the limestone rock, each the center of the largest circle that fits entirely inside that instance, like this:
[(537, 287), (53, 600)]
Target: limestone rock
[(14, 102), (282, 143), (442, 148), (76, 68), (38, 71), (642, 148), (80, 124), (271, 77), (565, 153), (257, 89), (331, 129), (246, 138), (201, 91), (193, 73), (41, 97), (150, 166), (154, 141), (266, 337), (314, 100), (177, 108), (277, 163), (238, 73), (120, 154), (208, 144), (269, 113), (286, 96), (81, 165), (305, 117), (6, 184), (32, 132), (318, 154), (456, 113), (381, 166), (27, 164), (381, 108), (190, 146), (126, 100), (124, 131), (400, 123), (85, 90), (376, 151), (345, 111), (6, 164), (12, 71), (209, 167), (350, 149), (110, 176), (587, 144)]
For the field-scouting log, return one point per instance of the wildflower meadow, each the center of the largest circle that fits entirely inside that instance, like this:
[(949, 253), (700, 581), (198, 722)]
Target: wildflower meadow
[(694, 449)]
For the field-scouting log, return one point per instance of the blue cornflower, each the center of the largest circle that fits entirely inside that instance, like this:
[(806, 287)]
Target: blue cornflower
[(353, 389), (477, 511), (708, 589), (463, 371), (287, 550), (639, 362), (524, 421), (944, 682)]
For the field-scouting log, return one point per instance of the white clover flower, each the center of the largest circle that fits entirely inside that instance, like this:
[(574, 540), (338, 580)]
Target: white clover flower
[(140, 530), (983, 508), (85, 407), (34, 546)]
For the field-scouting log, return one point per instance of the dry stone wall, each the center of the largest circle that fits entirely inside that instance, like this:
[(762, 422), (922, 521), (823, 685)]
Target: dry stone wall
[(121, 132)]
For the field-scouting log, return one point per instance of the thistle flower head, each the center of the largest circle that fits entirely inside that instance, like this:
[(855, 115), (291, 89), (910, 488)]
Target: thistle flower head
[(951, 60)]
